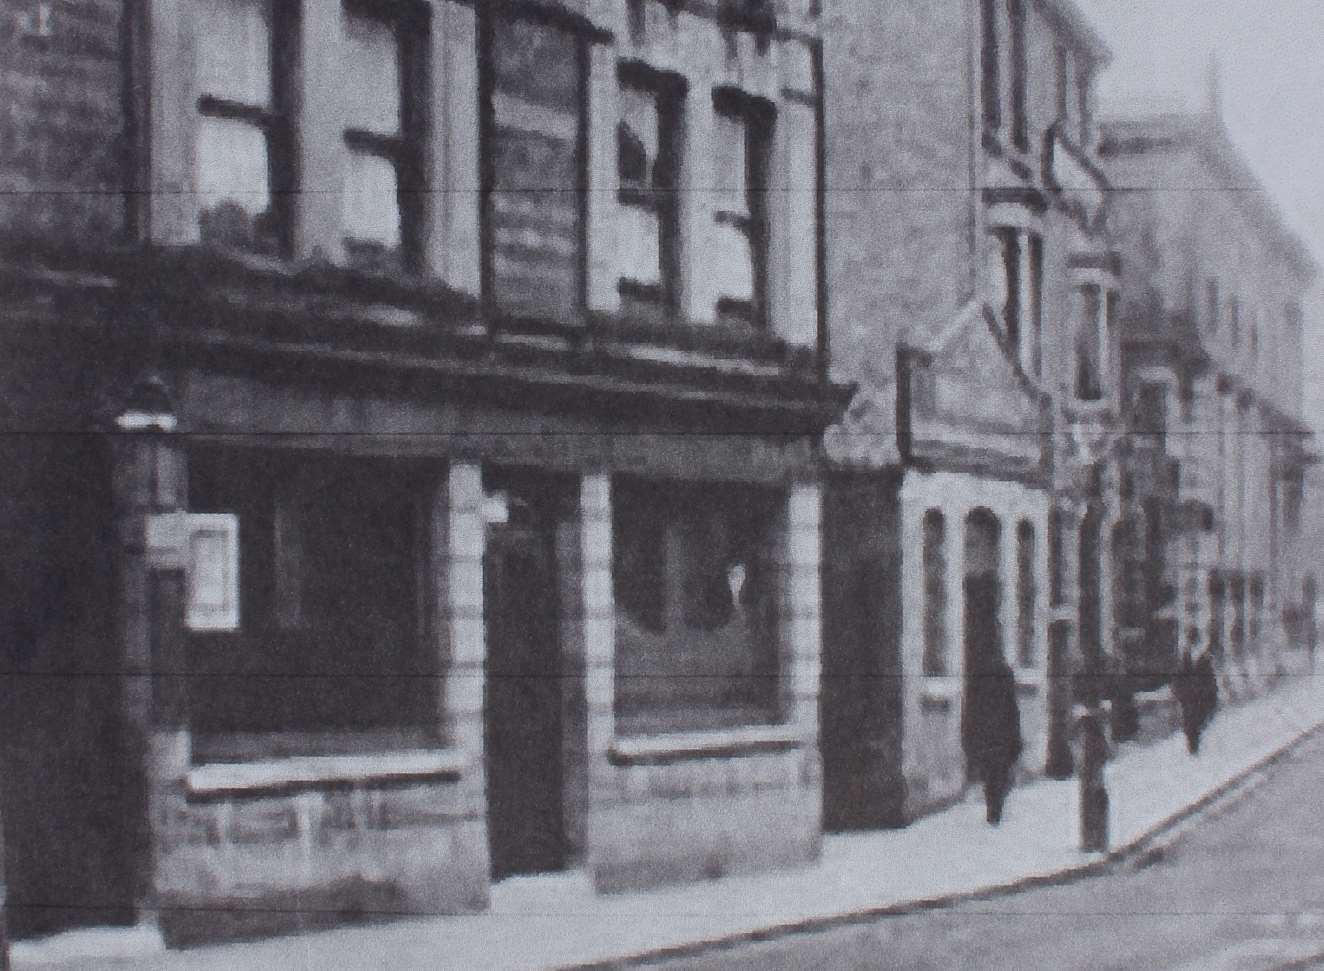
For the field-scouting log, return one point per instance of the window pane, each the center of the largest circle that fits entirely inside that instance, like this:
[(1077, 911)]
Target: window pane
[(732, 174), (639, 245), (371, 76), (234, 50), (233, 180), (696, 611), (637, 138), (732, 263), (372, 208)]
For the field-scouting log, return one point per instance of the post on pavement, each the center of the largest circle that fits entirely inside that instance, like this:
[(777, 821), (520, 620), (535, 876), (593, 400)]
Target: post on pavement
[(1093, 791)]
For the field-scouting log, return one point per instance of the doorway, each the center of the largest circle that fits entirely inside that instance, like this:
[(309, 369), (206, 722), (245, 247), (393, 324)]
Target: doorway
[(861, 700), (523, 693)]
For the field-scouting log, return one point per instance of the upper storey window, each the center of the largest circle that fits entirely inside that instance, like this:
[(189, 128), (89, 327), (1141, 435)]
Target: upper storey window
[(243, 154), (1084, 111), (381, 62), (1020, 95), (990, 71), (743, 140), (648, 157)]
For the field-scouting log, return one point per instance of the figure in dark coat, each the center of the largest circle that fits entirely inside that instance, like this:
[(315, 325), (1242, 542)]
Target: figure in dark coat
[(991, 724), (1196, 688)]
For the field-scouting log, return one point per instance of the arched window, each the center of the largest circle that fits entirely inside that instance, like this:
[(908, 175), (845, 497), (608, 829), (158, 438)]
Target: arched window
[(935, 593), (1026, 595)]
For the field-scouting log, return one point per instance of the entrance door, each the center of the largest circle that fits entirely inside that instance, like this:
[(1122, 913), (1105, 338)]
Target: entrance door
[(863, 785), (523, 702), (72, 794)]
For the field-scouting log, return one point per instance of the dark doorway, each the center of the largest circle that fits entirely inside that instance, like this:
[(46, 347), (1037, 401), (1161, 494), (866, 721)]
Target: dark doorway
[(983, 596), (71, 780), (861, 699), (523, 698)]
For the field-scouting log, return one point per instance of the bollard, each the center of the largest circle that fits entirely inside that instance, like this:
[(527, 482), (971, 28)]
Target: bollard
[(1093, 791)]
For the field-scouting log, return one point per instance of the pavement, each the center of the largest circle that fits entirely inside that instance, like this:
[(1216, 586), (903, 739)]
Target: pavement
[(557, 921), (1241, 891)]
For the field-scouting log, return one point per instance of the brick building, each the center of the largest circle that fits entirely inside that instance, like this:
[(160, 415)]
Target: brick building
[(1213, 345), (358, 547), (972, 290)]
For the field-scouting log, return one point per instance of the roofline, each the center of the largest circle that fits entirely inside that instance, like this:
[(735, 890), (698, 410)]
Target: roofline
[(1208, 135)]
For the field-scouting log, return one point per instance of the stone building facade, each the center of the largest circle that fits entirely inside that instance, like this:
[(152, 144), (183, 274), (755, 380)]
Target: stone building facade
[(359, 548), (1213, 330), (972, 288)]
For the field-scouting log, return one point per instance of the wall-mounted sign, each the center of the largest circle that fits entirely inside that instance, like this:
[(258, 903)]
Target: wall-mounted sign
[(211, 564), (536, 105)]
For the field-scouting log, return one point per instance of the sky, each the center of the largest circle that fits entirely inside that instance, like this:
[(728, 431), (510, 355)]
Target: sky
[(1271, 66)]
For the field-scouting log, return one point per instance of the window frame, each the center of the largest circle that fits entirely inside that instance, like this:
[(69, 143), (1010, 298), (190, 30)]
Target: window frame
[(275, 120), (758, 117), (405, 150), (669, 91)]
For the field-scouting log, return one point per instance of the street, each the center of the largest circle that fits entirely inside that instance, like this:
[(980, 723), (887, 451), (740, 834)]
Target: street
[(1244, 890)]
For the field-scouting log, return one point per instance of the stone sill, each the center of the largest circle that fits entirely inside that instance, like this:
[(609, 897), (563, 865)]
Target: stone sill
[(690, 746), (318, 771)]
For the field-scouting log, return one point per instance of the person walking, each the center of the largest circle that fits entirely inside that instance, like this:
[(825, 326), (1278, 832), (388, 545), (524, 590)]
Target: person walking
[(1196, 688), (991, 726)]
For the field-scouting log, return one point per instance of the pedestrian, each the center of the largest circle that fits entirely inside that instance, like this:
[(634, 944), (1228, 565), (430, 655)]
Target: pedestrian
[(1184, 688), (991, 728), (1206, 689)]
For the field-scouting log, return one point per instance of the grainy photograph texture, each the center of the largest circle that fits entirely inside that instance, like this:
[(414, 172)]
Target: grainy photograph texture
[(696, 484)]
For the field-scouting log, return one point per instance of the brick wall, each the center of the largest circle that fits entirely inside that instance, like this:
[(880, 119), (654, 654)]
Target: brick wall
[(899, 208), (61, 118)]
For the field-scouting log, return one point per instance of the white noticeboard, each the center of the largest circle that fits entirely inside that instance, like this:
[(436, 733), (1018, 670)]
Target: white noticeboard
[(212, 570)]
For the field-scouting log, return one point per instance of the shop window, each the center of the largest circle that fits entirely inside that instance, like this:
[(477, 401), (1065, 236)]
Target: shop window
[(382, 61), (331, 653), (696, 588), (743, 128), (1026, 595), (242, 151), (935, 594), (989, 69), (649, 150), (535, 83)]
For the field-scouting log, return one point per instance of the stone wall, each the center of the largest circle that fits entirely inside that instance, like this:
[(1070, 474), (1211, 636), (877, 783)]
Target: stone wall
[(934, 761)]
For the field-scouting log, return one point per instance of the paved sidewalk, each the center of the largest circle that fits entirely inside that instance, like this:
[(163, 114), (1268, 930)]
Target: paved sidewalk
[(557, 922)]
